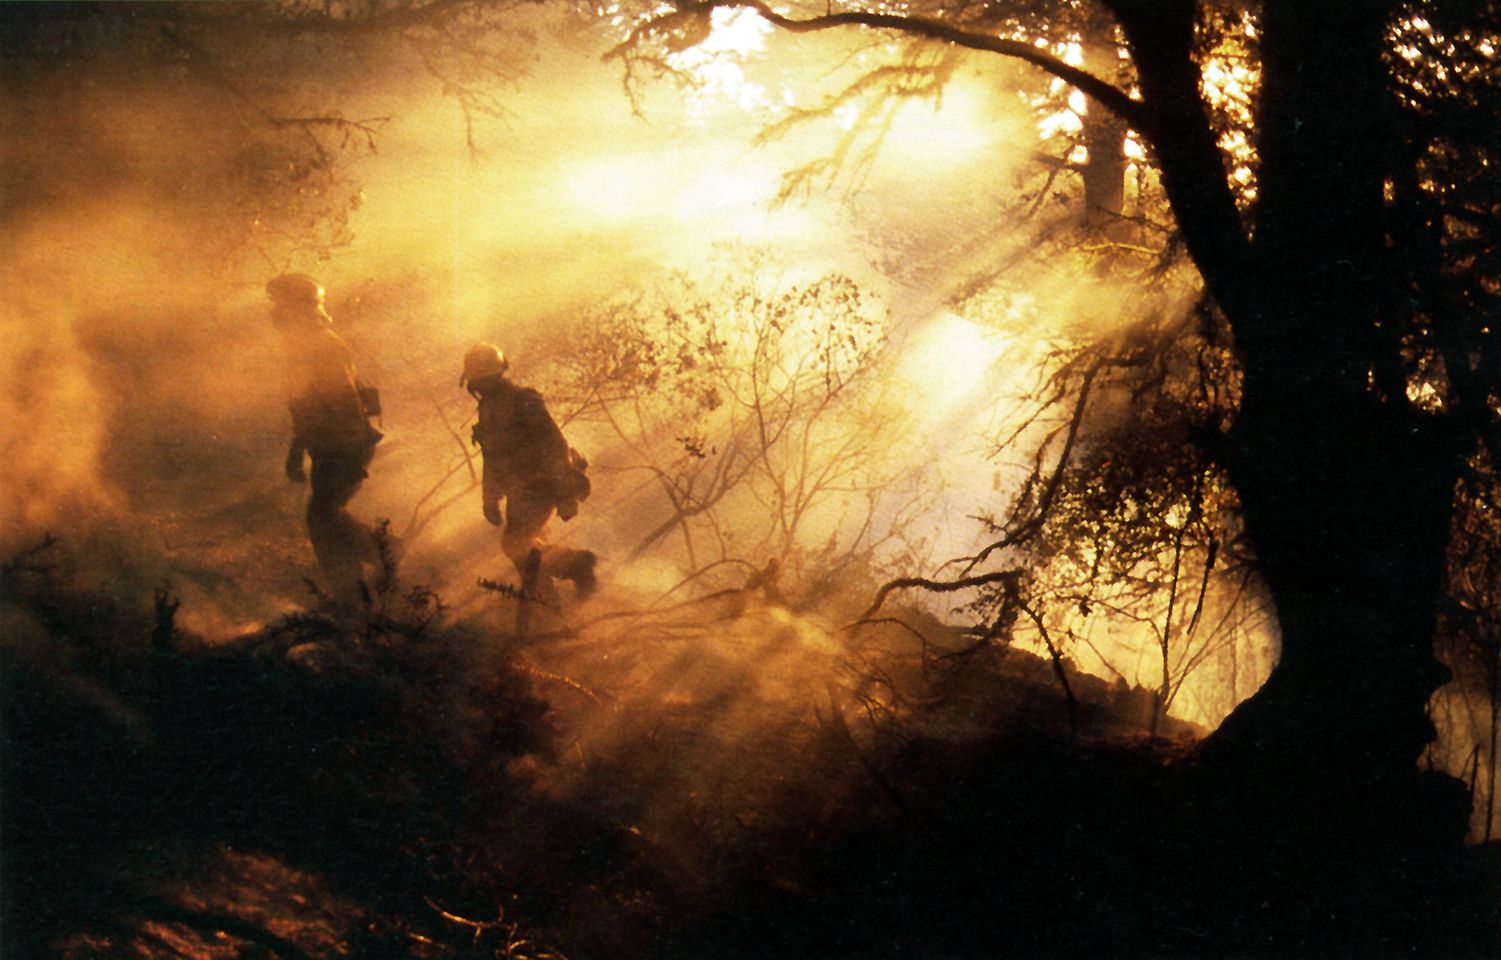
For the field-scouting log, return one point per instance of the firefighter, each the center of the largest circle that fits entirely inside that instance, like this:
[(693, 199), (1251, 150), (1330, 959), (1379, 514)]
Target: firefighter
[(331, 411), (529, 464)]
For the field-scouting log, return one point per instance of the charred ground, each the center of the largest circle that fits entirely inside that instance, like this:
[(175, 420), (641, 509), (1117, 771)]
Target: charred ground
[(409, 785)]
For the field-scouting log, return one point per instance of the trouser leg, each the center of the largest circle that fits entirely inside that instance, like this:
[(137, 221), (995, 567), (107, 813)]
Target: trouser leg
[(341, 544), (526, 530)]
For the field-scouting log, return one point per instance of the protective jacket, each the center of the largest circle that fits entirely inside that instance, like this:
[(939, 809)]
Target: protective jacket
[(525, 452), (330, 408)]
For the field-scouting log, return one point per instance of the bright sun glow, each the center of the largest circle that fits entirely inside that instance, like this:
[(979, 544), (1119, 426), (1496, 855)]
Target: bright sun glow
[(947, 363), (1229, 81), (716, 62)]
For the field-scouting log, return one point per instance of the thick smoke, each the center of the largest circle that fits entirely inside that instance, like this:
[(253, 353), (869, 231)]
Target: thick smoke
[(144, 418), (146, 211)]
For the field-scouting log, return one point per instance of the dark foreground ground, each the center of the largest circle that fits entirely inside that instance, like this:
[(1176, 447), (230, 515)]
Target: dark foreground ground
[(337, 788)]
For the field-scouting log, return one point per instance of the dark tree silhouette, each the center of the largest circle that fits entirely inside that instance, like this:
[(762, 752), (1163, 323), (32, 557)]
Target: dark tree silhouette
[(1359, 290)]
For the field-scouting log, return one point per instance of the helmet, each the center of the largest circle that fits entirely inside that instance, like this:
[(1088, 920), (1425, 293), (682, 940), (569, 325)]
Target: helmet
[(483, 360), (295, 289)]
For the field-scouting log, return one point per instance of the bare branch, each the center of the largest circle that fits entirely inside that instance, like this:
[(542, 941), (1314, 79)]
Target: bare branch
[(1058, 671), (365, 129), (1039, 514), (1107, 95), (934, 586)]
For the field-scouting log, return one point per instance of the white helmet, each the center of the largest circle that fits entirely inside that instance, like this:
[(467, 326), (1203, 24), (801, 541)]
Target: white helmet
[(295, 289), (483, 360)]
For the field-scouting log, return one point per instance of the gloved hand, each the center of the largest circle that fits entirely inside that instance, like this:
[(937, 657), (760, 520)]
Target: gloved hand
[(492, 511), (294, 469)]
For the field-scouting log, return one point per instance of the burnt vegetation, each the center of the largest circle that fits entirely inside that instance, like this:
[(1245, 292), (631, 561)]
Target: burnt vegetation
[(804, 734), (394, 786)]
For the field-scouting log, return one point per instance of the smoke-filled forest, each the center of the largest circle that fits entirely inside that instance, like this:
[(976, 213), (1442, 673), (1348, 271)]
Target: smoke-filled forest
[(720, 479)]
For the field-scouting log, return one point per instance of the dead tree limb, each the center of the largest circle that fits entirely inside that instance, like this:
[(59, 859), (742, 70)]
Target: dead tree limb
[(933, 586), (1058, 671)]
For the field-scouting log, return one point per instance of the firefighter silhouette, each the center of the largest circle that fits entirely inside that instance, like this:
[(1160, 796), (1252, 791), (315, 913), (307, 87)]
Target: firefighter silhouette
[(331, 413), (529, 464)]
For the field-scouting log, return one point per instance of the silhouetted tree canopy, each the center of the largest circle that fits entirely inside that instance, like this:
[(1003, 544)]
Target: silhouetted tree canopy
[(1357, 280)]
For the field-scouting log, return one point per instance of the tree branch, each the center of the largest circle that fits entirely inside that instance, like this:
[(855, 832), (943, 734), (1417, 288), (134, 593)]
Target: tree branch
[(1105, 94), (1055, 482), (936, 586), (1058, 671)]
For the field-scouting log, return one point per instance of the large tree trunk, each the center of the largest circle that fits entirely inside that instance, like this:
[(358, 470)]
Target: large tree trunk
[(1349, 513), (1346, 498)]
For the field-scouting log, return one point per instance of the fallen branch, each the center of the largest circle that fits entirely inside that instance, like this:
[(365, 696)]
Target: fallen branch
[(934, 586), (1058, 671)]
